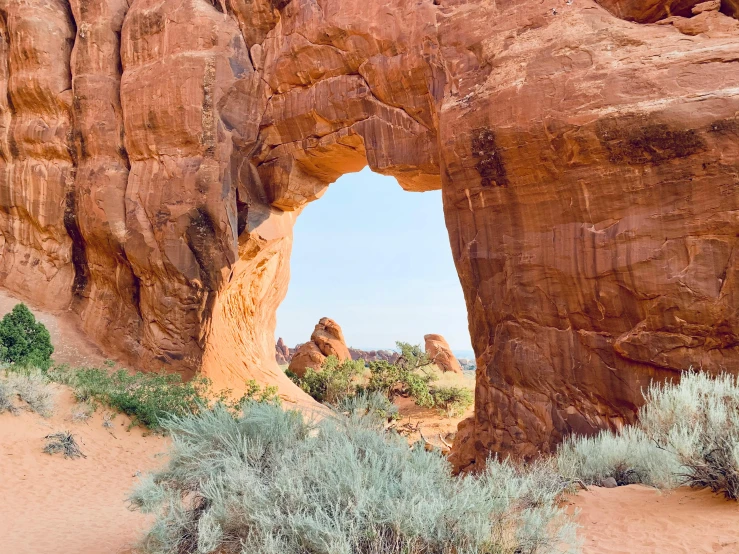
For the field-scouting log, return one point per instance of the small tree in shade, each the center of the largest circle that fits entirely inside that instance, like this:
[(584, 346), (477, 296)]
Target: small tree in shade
[(23, 341)]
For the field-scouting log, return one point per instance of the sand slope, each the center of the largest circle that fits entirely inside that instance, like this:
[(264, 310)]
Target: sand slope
[(52, 505), (71, 346), (641, 520)]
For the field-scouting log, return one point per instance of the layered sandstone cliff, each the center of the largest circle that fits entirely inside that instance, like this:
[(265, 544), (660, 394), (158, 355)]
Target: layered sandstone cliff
[(155, 154)]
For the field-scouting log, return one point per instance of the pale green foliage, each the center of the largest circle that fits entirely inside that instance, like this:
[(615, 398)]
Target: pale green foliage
[(269, 482), (698, 420), (369, 405), (33, 388), (6, 397), (688, 433), (629, 457)]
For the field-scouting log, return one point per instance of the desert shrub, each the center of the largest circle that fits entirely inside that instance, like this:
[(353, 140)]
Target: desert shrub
[(452, 400), (687, 433), (628, 456), (23, 341), (148, 397), (698, 421), (81, 414), (6, 397), (370, 405), (33, 388), (270, 482), (404, 377), (63, 443), (334, 382)]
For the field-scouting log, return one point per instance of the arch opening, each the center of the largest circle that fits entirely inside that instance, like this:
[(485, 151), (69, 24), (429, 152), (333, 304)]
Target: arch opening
[(377, 261)]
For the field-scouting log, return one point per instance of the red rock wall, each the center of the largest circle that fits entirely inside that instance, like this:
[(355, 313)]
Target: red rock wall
[(154, 156)]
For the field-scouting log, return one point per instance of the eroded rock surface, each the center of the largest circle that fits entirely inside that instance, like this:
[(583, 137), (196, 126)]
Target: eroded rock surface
[(155, 154), (327, 340), (438, 349)]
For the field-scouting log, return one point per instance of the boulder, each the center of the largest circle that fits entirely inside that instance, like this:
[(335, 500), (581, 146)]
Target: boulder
[(327, 340), (307, 355), (438, 350)]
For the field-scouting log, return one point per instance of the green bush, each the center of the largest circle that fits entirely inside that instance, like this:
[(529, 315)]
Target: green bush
[(334, 382), (268, 482), (452, 401), (687, 433), (149, 397), (404, 377), (23, 341)]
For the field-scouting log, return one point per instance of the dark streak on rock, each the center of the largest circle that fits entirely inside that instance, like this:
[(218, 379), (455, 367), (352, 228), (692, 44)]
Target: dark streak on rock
[(203, 242), (489, 160), (632, 140), (79, 254), (729, 126)]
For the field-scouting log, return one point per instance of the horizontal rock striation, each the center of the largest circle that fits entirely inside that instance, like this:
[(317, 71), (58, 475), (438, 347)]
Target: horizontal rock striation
[(155, 154)]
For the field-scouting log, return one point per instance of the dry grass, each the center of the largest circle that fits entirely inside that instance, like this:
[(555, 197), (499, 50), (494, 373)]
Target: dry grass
[(32, 388), (63, 443)]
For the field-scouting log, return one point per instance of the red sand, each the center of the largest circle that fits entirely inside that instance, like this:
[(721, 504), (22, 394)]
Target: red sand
[(641, 520), (53, 505)]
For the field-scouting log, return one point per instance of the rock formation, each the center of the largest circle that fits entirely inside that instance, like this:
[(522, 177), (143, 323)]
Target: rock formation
[(283, 355), (373, 355), (438, 349), (155, 154), (327, 340)]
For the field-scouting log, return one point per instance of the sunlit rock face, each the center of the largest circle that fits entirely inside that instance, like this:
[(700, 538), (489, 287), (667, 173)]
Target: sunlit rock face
[(327, 340), (440, 353), (155, 154)]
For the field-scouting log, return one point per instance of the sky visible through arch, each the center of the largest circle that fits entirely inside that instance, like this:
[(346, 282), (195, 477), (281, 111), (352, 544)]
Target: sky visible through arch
[(377, 260)]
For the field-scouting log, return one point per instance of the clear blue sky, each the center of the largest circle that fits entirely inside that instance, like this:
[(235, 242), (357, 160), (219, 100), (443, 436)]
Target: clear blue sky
[(377, 260)]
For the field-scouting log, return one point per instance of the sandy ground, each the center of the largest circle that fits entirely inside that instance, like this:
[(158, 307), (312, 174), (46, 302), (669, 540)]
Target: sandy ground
[(53, 505), (437, 429), (70, 344), (641, 520)]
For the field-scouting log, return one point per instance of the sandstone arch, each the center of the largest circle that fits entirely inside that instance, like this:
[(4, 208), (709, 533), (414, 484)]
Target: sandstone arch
[(154, 155)]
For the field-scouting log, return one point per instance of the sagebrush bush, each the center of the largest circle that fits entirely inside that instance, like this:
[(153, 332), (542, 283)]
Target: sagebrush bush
[(33, 388), (628, 456), (6, 397), (698, 421), (23, 341), (269, 482), (687, 433)]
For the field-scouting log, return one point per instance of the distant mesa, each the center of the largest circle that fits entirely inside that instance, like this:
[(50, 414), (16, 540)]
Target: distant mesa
[(283, 354)]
